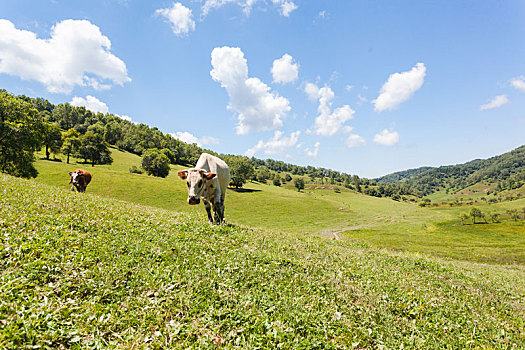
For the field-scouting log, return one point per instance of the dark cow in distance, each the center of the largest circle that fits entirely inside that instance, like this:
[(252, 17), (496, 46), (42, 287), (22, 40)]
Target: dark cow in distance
[(79, 179)]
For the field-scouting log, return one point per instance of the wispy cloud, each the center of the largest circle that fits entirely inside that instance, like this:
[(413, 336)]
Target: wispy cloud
[(315, 151), (496, 102), (285, 6), (518, 83), (354, 140), (189, 138)]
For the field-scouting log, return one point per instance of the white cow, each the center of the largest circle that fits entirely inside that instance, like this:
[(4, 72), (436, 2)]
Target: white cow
[(209, 180)]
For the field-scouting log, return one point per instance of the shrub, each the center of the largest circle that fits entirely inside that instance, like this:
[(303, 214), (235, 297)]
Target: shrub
[(135, 170), (156, 163), (298, 183)]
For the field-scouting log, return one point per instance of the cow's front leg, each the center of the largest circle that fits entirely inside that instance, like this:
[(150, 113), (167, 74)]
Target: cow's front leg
[(217, 206), (217, 212), (207, 205)]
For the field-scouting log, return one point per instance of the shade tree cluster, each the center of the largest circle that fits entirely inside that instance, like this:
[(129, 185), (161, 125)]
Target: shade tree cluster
[(494, 217)]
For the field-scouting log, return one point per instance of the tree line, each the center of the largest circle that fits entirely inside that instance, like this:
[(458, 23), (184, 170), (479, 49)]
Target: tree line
[(30, 124)]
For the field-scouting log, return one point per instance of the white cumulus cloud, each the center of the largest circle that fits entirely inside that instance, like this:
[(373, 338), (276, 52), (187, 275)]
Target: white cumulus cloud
[(256, 106), (518, 83), (189, 138), (91, 103), (327, 122), (276, 145), (95, 105), (285, 6), (125, 117), (400, 87), (354, 140), (497, 101), (284, 70), (179, 17), (386, 138), (76, 54)]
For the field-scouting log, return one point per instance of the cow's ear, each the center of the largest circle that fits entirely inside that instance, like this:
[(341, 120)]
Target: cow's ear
[(70, 173), (183, 174), (210, 176)]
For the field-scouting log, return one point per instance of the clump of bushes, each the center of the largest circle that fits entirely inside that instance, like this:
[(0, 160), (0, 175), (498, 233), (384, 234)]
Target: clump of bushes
[(135, 170)]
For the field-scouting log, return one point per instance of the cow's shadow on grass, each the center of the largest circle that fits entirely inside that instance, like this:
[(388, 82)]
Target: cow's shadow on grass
[(243, 190)]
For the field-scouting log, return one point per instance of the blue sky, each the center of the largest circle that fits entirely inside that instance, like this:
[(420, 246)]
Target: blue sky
[(362, 87)]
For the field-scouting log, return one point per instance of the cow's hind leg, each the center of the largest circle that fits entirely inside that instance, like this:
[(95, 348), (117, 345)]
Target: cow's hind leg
[(208, 210), (222, 207)]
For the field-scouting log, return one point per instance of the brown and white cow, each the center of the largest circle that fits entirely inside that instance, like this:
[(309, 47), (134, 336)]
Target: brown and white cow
[(208, 180), (79, 179)]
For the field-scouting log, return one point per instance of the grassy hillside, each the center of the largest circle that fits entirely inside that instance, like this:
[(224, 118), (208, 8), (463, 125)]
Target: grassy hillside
[(505, 171), (379, 222), (79, 270), (403, 176)]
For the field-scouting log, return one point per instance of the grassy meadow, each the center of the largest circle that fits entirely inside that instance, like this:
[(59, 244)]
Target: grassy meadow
[(83, 271), (379, 222)]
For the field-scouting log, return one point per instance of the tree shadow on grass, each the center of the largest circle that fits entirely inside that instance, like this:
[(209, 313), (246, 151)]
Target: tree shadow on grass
[(243, 190), (58, 160)]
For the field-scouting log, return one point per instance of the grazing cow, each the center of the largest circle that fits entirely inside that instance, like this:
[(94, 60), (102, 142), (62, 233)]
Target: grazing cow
[(79, 179), (208, 180)]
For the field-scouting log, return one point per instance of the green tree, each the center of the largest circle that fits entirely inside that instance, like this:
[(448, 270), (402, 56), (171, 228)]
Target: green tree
[(475, 213), (52, 140), (21, 134), (298, 183), (97, 128), (263, 174), (71, 143), (241, 170), (93, 148), (112, 132), (514, 214), (277, 180), (494, 217), (288, 178), (155, 163), (463, 216)]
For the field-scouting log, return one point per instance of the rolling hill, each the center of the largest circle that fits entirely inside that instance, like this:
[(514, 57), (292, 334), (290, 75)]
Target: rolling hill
[(506, 171), (319, 210)]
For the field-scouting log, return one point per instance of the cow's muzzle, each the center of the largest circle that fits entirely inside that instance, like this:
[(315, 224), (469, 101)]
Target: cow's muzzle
[(193, 200)]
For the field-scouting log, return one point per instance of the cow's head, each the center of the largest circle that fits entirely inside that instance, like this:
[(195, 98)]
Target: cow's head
[(196, 180), (74, 177)]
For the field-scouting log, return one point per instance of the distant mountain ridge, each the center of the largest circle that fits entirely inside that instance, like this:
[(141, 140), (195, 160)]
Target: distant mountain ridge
[(505, 171), (403, 176)]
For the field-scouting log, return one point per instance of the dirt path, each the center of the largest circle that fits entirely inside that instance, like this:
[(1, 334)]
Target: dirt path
[(335, 233)]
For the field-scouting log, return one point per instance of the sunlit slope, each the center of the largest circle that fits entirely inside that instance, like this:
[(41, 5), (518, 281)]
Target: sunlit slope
[(79, 270), (256, 205), (347, 215)]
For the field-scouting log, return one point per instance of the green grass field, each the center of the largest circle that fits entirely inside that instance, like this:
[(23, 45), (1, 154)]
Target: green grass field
[(83, 271), (379, 222)]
